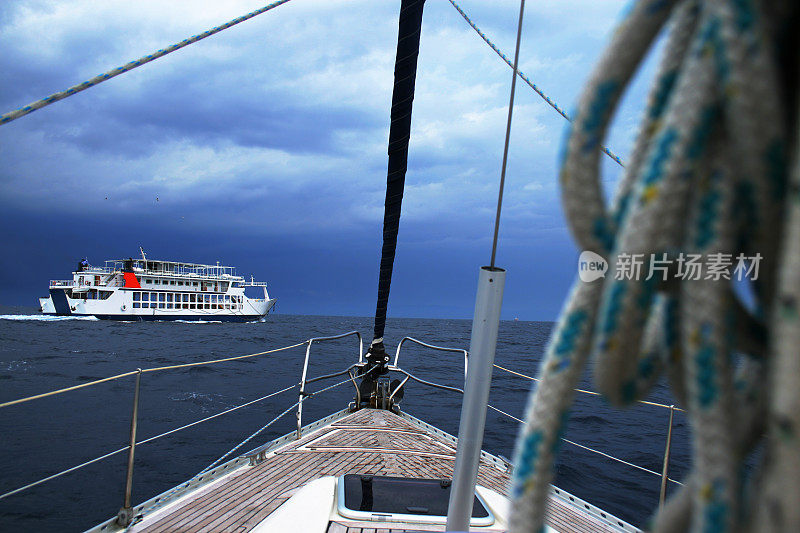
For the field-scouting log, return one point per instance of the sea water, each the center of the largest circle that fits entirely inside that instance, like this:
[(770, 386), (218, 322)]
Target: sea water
[(45, 436)]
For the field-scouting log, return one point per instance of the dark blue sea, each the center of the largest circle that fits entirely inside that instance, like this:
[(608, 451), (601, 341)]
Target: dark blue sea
[(45, 436)]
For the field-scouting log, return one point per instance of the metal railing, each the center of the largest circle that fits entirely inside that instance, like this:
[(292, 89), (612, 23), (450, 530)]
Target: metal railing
[(665, 466), (305, 370), (125, 515), (145, 441), (433, 347)]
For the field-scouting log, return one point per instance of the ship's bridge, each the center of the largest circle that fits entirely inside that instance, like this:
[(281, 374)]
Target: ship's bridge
[(172, 268), (196, 276)]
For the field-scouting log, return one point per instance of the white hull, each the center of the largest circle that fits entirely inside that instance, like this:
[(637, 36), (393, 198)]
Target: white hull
[(120, 306), (157, 290)]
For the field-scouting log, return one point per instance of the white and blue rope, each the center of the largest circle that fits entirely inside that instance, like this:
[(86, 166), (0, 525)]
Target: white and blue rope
[(706, 177), (38, 104)]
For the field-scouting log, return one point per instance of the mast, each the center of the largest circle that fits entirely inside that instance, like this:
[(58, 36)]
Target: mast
[(144, 257)]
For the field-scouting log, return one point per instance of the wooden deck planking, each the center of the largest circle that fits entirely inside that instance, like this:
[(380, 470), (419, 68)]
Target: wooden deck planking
[(211, 503), (564, 518), (368, 441), (240, 487), (265, 502)]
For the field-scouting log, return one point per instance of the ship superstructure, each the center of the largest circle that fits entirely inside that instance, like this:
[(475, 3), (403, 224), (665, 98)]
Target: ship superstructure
[(143, 289)]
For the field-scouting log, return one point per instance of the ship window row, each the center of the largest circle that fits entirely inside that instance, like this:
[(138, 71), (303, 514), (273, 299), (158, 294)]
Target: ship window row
[(179, 283), (94, 294), (204, 285), (168, 300)]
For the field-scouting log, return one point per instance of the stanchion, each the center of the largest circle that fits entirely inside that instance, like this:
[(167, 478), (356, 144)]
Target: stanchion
[(125, 515), (665, 468)]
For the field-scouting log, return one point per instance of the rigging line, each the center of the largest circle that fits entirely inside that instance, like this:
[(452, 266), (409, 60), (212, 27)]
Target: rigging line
[(59, 474), (255, 434), (206, 419), (67, 389), (508, 134), (619, 460), (145, 441), (215, 463), (587, 448), (186, 365), (154, 369), (714, 132), (593, 393), (522, 75), (248, 439), (38, 104)]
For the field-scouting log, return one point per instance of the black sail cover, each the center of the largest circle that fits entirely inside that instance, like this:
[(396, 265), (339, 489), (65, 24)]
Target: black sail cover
[(405, 74)]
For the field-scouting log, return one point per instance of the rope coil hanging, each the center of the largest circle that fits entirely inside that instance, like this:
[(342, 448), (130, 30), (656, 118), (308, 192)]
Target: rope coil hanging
[(707, 177)]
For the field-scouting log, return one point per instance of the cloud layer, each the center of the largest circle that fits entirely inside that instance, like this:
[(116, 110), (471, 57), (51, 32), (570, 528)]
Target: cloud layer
[(275, 131)]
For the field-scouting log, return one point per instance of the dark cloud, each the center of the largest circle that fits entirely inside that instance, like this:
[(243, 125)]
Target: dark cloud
[(205, 113), (266, 120), (266, 148)]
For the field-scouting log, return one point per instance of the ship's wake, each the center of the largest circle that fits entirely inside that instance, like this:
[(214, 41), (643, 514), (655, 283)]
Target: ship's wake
[(46, 318)]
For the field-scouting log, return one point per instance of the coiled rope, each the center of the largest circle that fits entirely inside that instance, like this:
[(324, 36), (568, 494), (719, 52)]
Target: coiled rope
[(707, 177)]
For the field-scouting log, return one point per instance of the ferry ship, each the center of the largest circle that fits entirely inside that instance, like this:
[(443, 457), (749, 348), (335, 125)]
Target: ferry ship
[(143, 289)]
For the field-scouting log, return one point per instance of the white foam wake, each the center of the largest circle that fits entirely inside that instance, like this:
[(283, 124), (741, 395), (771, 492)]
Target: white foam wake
[(46, 318)]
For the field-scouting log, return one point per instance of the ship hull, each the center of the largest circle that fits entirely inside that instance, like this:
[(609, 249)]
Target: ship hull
[(119, 307), (183, 318)]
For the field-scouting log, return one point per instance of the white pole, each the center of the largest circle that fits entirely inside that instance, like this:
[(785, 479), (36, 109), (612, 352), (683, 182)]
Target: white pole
[(483, 343), (485, 323)]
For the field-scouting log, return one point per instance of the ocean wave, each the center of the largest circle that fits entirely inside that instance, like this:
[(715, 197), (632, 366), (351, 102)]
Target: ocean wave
[(14, 366), (201, 369), (196, 321), (202, 400), (46, 318)]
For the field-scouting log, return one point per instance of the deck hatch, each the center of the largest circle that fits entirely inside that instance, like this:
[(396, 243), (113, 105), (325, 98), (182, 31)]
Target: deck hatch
[(390, 498)]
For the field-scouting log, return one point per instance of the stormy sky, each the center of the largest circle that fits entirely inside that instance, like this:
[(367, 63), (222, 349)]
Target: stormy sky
[(264, 147)]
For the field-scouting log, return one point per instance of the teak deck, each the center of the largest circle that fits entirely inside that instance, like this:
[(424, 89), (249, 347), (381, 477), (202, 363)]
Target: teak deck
[(367, 441)]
